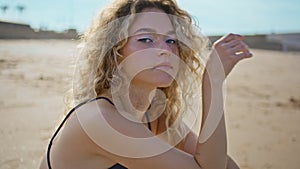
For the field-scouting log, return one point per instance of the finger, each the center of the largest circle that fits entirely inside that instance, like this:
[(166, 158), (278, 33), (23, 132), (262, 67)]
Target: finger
[(231, 37), (231, 44), (242, 55), (240, 47)]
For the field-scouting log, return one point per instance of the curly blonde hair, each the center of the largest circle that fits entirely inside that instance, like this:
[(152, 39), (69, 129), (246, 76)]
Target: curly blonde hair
[(99, 56)]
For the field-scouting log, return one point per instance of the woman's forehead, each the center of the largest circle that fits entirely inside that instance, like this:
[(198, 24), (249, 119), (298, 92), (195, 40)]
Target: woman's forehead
[(152, 22)]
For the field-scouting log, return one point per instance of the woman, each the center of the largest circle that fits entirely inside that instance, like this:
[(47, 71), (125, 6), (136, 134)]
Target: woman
[(139, 71)]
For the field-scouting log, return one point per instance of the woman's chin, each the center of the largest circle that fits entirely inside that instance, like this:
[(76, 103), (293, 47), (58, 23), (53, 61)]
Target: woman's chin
[(165, 81), (155, 79)]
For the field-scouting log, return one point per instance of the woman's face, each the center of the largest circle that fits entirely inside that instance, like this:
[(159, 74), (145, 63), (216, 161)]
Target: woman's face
[(151, 52)]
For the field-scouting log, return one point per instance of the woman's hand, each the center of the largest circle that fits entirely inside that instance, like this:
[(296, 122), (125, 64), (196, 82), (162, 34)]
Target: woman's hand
[(227, 51)]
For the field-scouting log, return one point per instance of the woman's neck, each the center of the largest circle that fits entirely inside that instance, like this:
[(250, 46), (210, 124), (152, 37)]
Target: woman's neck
[(140, 97), (138, 100)]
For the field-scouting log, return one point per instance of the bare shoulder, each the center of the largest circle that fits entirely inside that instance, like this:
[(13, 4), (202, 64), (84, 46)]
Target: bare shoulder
[(73, 147)]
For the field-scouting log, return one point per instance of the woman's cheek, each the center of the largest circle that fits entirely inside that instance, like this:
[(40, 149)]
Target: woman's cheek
[(138, 61)]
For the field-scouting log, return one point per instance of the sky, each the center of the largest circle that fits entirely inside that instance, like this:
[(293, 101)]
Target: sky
[(214, 17)]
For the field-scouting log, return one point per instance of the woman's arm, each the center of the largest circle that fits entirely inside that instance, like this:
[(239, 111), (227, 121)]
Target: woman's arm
[(190, 147), (211, 151)]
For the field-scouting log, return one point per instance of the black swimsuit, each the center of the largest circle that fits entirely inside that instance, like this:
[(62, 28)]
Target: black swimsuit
[(116, 166)]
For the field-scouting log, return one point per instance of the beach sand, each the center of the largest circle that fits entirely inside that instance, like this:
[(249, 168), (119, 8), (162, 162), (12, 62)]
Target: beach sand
[(262, 104)]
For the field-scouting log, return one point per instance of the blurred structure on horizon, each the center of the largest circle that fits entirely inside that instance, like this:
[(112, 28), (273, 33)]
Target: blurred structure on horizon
[(280, 42), (10, 30), (287, 41)]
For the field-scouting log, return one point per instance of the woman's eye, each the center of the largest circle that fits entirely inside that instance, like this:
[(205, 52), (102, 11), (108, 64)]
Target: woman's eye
[(171, 41), (145, 40)]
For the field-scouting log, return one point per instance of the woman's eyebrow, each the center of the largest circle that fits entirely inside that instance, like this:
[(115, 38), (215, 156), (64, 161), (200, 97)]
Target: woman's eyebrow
[(150, 30)]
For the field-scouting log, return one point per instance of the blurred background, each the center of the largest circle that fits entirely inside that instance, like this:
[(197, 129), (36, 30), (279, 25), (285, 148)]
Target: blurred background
[(45, 19), (214, 17), (38, 44)]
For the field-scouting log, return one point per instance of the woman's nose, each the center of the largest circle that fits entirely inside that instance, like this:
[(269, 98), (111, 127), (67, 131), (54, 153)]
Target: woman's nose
[(163, 52), (164, 48)]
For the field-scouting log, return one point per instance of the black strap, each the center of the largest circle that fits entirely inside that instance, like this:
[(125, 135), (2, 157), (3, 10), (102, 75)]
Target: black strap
[(63, 122), (117, 166), (148, 121)]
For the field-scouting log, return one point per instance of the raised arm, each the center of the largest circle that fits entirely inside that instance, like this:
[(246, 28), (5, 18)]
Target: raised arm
[(211, 151)]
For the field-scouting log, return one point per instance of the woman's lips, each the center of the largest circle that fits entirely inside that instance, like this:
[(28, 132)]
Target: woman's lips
[(163, 67)]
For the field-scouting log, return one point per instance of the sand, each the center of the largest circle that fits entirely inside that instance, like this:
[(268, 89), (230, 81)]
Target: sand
[(262, 104)]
